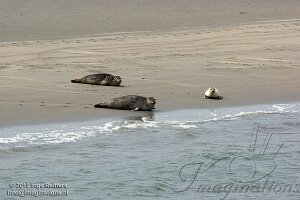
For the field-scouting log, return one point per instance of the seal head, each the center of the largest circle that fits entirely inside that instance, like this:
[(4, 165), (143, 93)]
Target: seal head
[(212, 93)]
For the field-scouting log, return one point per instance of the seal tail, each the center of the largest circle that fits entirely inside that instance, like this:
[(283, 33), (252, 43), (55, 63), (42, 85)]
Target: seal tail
[(76, 81), (101, 105)]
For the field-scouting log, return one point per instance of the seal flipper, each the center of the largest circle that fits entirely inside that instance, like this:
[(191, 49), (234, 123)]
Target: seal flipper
[(76, 81), (216, 98), (136, 109), (101, 105)]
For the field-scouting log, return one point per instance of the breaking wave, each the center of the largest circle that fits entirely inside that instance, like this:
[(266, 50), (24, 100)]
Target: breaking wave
[(182, 119)]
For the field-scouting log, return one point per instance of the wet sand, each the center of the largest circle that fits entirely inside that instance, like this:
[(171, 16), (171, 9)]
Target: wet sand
[(252, 63)]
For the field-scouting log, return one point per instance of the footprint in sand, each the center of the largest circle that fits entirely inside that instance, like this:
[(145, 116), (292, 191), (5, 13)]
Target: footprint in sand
[(26, 43), (15, 44)]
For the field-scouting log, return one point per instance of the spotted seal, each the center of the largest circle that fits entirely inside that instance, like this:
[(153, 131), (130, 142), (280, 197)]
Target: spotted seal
[(100, 79), (212, 93), (129, 102)]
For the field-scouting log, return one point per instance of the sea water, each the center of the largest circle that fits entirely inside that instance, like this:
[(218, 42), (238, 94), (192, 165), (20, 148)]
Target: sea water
[(225, 153)]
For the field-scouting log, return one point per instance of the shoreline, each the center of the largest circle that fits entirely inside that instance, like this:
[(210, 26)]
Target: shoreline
[(127, 115), (250, 65)]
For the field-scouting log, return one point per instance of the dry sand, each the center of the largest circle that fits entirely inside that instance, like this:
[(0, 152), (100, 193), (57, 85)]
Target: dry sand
[(54, 19), (250, 64)]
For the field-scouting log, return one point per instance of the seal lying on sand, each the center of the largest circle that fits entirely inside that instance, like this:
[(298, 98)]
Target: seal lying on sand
[(212, 93), (100, 79), (129, 102)]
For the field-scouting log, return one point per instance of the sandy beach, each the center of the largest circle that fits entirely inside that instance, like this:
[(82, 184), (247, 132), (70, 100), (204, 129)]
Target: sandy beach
[(51, 19), (250, 61), (55, 144)]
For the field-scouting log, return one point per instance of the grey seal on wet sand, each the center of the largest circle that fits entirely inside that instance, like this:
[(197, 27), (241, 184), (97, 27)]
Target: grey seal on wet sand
[(100, 79), (212, 93), (129, 102)]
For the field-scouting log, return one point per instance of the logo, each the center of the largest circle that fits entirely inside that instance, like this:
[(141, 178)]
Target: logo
[(250, 171)]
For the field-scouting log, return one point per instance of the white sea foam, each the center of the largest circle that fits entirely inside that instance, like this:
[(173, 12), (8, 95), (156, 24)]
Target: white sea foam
[(176, 119), (65, 135), (237, 116), (286, 108), (152, 124), (276, 109), (55, 136)]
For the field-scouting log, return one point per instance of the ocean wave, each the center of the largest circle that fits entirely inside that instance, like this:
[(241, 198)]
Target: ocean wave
[(276, 109), (55, 136), (240, 115), (199, 117), (286, 108)]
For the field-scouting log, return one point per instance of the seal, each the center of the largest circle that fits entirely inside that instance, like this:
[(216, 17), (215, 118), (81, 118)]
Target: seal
[(100, 79), (129, 102), (212, 93)]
